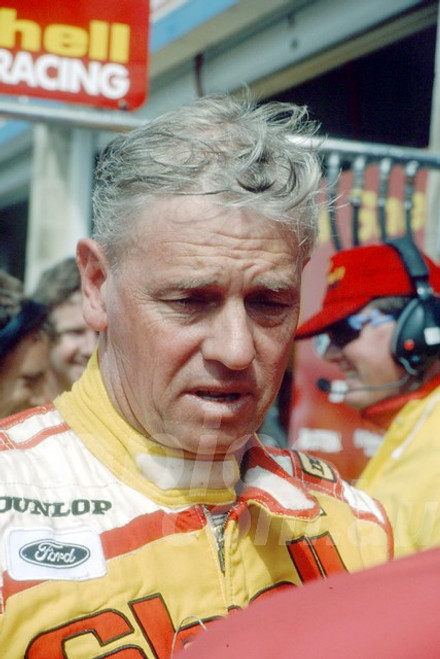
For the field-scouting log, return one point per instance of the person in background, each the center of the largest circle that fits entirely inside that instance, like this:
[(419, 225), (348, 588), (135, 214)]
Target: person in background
[(153, 508), (25, 339), (380, 324), (59, 288)]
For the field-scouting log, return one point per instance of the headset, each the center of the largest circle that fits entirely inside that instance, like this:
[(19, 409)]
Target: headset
[(415, 343)]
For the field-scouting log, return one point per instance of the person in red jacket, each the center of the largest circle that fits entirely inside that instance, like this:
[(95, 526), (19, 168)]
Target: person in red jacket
[(380, 324)]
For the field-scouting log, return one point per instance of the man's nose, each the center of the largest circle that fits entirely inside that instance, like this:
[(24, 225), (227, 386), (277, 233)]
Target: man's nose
[(230, 338)]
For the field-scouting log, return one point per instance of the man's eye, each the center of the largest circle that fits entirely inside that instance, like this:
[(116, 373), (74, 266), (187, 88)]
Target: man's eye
[(268, 311), (269, 305), (189, 303)]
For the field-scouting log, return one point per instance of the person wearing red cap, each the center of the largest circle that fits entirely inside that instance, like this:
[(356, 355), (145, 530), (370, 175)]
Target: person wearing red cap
[(380, 324)]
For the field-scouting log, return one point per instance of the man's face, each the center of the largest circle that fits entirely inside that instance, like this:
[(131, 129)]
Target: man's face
[(74, 344), (367, 362), (199, 322), (23, 375)]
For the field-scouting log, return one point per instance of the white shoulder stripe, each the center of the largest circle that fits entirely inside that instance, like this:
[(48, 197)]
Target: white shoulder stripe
[(285, 462), (362, 501), (283, 491), (30, 426)]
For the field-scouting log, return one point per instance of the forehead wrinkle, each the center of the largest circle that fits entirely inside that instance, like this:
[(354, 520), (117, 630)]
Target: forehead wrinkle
[(234, 236), (260, 282), (288, 275)]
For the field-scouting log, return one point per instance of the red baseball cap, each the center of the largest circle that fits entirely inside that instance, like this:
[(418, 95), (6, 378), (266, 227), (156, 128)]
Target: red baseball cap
[(356, 277)]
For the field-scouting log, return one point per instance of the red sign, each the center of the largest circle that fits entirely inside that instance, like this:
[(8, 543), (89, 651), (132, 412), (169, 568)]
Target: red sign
[(93, 52)]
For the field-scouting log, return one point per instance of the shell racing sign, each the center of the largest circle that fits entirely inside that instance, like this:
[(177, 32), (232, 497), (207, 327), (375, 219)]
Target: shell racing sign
[(93, 52)]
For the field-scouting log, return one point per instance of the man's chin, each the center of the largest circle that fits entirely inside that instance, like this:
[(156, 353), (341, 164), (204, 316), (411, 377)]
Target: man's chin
[(219, 446), (207, 444)]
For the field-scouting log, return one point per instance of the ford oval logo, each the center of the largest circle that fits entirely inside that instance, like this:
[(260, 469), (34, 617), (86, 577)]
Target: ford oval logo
[(54, 554)]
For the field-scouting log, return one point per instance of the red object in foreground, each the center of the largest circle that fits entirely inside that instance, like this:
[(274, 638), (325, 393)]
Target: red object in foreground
[(389, 611)]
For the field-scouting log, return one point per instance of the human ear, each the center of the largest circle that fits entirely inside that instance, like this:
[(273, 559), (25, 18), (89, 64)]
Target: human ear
[(94, 271)]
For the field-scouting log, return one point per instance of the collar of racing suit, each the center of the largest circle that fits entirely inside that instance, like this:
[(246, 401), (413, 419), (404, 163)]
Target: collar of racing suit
[(383, 413), (136, 458), (273, 480)]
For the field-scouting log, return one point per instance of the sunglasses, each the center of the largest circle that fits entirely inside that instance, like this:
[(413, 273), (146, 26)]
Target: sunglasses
[(349, 329)]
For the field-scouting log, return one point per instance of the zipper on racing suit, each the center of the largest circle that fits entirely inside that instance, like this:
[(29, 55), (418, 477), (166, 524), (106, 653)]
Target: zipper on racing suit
[(218, 522)]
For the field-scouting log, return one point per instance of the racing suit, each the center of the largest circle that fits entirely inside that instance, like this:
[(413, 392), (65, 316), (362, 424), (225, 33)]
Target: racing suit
[(113, 546), (404, 474)]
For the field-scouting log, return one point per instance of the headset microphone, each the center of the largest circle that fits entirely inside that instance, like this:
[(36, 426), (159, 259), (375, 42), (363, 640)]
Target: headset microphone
[(337, 390), (324, 385)]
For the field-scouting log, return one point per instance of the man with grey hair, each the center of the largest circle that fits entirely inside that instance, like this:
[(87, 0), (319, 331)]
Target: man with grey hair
[(143, 506)]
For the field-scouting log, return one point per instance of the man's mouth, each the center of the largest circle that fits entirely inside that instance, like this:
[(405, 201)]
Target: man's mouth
[(216, 396)]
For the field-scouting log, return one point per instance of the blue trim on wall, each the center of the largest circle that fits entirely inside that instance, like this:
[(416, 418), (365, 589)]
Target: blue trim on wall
[(12, 129), (184, 19)]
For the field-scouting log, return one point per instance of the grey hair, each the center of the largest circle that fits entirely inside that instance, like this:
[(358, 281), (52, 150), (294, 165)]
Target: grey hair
[(240, 153)]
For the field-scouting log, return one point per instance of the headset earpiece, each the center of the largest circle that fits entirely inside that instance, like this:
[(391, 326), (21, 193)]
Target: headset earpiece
[(415, 343), (416, 340)]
